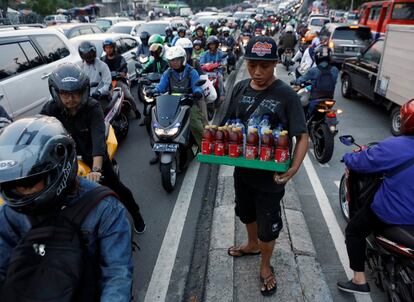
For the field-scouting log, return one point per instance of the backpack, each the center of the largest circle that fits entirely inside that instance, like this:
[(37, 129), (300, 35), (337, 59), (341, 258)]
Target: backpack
[(51, 262), (325, 84)]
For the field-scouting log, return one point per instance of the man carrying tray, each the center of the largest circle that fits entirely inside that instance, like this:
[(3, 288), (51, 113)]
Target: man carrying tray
[(259, 192)]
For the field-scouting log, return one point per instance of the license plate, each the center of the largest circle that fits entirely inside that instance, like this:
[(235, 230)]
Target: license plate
[(165, 147)]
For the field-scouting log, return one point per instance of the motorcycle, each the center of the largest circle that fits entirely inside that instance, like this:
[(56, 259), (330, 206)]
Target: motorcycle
[(231, 60), (172, 137), (148, 81), (244, 39), (390, 252), (321, 123), (213, 72), (260, 32), (287, 58)]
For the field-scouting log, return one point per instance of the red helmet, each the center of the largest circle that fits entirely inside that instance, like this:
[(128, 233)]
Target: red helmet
[(407, 117)]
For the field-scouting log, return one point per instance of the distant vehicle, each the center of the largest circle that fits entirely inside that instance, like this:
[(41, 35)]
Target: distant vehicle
[(153, 27), (211, 8), (106, 22), (345, 40), (125, 44), (127, 27), (55, 19), (351, 18), (316, 23), (206, 13), (339, 16), (377, 15), (384, 72), (71, 30)]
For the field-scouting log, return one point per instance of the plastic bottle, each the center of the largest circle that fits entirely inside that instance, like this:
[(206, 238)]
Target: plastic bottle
[(213, 129), (219, 145), (264, 124), (252, 144), (266, 150), (240, 125), (226, 139), (252, 123), (207, 143), (234, 139), (282, 149)]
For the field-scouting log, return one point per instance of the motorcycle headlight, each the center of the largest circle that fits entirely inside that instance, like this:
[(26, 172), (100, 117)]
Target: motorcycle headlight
[(166, 132), (263, 31), (332, 128), (272, 28), (224, 48)]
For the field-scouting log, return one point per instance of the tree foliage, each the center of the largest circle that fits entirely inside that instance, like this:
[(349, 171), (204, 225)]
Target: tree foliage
[(345, 4)]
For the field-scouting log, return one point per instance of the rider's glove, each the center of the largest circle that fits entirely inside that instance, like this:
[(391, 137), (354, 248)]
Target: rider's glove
[(197, 95), (96, 95)]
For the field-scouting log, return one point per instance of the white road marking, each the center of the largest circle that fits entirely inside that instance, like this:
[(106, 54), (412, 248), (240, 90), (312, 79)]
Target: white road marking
[(161, 275), (337, 183), (331, 222), (321, 165)]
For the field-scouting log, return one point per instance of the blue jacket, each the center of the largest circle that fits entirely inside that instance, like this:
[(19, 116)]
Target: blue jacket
[(175, 40), (143, 50), (394, 202), (163, 85), (107, 225), (207, 57)]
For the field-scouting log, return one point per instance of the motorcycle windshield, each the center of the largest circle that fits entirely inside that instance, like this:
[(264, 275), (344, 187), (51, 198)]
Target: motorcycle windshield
[(154, 77), (167, 108)]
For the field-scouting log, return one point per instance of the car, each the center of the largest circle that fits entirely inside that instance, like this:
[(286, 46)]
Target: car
[(107, 22), (153, 27), (126, 45), (55, 19), (316, 23), (71, 30), (28, 57), (345, 40), (127, 27), (351, 18)]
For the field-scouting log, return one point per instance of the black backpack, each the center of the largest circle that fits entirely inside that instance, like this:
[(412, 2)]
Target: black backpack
[(51, 262), (324, 84)]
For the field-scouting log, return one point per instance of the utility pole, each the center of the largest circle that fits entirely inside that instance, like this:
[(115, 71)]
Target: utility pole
[(352, 6)]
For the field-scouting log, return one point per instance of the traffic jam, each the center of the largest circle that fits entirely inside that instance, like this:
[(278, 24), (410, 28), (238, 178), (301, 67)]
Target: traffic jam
[(147, 149)]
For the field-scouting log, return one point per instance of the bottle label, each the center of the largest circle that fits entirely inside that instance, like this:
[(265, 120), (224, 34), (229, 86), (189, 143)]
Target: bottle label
[(219, 149), (234, 150), (251, 152), (266, 153), (206, 147), (281, 155)]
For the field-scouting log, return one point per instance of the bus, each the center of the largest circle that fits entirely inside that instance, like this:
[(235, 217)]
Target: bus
[(378, 14)]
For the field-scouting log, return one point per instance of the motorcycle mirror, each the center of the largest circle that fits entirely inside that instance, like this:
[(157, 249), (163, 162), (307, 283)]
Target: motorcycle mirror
[(94, 84), (347, 140), (201, 82)]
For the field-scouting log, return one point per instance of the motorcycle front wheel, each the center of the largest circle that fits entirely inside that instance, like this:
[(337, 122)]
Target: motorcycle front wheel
[(169, 175), (121, 126), (323, 144)]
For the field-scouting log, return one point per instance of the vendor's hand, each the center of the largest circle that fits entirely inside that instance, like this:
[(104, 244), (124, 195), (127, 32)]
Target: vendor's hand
[(282, 178), (94, 176)]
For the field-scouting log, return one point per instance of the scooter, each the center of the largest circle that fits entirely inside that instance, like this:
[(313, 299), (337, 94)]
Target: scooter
[(148, 81), (244, 39), (287, 58), (390, 252), (172, 137), (213, 72), (231, 59)]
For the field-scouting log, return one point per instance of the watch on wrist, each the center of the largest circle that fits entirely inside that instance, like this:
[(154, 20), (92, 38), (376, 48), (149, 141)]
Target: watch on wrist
[(96, 169)]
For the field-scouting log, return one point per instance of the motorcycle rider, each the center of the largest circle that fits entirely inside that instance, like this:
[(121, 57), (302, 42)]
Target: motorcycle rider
[(287, 40), (323, 77), (117, 63), (181, 34), (143, 48), (181, 78), (198, 50), (200, 35), (156, 38), (393, 203), (213, 29), (307, 60), (226, 39), (169, 35), (215, 55), (83, 118), (258, 24), (247, 28), (96, 70), (188, 47), (157, 63), (34, 189)]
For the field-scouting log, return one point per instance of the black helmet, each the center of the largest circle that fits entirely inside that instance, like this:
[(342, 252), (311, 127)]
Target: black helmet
[(70, 78), (200, 27), (168, 29), (212, 40), (181, 29), (216, 24), (197, 42), (34, 149), (109, 42), (261, 48), (322, 54), (144, 36), (87, 51)]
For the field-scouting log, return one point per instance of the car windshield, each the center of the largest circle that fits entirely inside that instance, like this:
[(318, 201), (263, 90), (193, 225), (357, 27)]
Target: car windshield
[(120, 29), (205, 20), (103, 23), (241, 15), (347, 33), (319, 22), (152, 28), (403, 11), (352, 16)]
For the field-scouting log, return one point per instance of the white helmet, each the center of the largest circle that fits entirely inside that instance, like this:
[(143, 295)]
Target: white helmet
[(289, 29), (225, 28), (184, 43), (176, 52)]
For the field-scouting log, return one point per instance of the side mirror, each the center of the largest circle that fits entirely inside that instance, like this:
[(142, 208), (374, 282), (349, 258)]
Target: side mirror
[(359, 56), (200, 82), (347, 140)]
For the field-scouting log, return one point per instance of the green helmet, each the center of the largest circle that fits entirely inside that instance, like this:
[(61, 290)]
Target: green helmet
[(155, 39)]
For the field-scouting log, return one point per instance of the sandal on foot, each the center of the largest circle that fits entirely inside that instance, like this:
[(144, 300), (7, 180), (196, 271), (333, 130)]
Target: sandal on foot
[(273, 272), (266, 291), (237, 252)]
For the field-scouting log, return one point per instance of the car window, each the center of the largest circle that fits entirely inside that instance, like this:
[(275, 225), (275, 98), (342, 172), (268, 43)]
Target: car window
[(403, 11), (375, 12), (125, 29), (349, 33), (129, 44), (32, 55), (97, 29), (120, 47), (103, 23), (74, 33), (152, 28), (52, 47), (373, 54), (86, 31), (319, 22)]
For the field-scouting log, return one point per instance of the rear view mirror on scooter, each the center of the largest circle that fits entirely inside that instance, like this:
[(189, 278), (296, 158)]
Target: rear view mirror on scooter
[(347, 140), (200, 82)]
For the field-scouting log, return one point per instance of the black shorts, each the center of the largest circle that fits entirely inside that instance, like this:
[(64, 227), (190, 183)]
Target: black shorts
[(263, 207)]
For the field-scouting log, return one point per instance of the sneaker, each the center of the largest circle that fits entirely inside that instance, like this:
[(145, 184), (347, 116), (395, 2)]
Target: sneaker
[(139, 224), (351, 287)]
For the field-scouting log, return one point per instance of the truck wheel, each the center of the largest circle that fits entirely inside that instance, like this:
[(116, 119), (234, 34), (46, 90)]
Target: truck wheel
[(395, 121), (346, 88)]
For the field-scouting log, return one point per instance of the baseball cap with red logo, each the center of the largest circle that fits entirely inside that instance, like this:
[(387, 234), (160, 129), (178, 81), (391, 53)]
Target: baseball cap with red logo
[(261, 48)]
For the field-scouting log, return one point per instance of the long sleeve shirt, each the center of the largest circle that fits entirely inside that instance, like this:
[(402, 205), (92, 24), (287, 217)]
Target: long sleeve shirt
[(98, 72)]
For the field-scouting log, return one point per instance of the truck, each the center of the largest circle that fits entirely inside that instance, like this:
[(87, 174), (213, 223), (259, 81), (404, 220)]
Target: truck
[(383, 72)]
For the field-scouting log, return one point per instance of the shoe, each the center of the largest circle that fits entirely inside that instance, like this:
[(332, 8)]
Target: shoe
[(351, 287), (154, 160), (137, 114), (139, 224)]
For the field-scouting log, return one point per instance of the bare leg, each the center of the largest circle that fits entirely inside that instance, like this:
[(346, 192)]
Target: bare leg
[(266, 249), (359, 278), (252, 244)]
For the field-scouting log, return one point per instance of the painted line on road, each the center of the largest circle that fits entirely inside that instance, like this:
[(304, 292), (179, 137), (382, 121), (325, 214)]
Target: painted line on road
[(337, 183), (161, 275), (331, 222)]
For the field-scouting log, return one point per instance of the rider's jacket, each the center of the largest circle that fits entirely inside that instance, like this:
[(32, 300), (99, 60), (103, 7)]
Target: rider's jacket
[(175, 82), (143, 50), (98, 72), (168, 40), (106, 227), (288, 40), (394, 202), (158, 66), (258, 25), (229, 41), (203, 40), (208, 57), (118, 63)]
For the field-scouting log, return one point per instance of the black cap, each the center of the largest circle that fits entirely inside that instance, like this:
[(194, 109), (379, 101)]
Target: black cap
[(261, 48)]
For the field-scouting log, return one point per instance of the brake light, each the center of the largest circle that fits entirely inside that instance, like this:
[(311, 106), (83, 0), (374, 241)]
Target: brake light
[(331, 115), (354, 26)]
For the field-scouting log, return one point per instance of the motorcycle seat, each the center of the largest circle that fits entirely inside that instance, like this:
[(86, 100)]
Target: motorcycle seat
[(400, 234)]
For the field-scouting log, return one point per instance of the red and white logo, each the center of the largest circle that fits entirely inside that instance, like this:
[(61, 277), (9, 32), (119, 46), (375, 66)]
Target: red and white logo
[(262, 49)]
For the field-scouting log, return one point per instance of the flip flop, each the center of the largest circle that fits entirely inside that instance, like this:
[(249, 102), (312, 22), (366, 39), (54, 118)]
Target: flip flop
[(240, 252), (268, 292)]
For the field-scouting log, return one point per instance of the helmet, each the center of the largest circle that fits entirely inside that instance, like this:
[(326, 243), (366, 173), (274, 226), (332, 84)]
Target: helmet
[(181, 29), (34, 149), (109, 42), (225, 29), (169, 29), (87, 51), (155, 38), (69, 77), (144, 36), (258, 18), (289, 29), (407, 118), (261, 48), (198, 42), (200, 27), (216, 23), (176, 52), (156, 49), (211, 40), (184, 43), (322, 54)]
